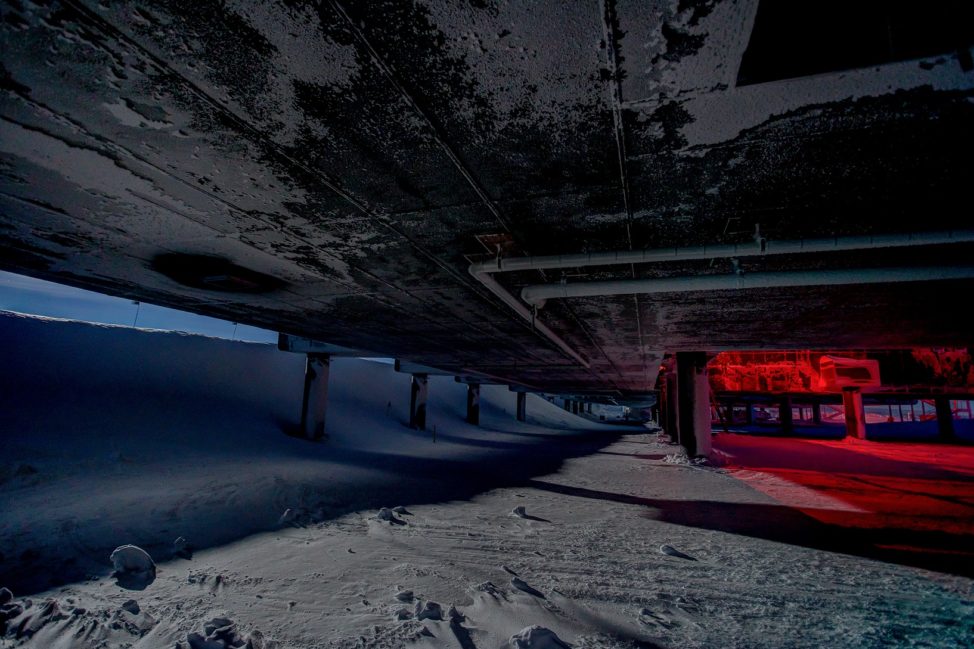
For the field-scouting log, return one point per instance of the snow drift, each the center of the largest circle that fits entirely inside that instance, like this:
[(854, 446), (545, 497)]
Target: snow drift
[(117, 436)]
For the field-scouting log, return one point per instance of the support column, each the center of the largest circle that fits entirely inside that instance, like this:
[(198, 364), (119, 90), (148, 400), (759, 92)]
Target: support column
[(588, 407), (522, 406), (817, 413), (855, 414), (473, 404), (315, 400), (671, 418), (417, 401), (694, 403), (784, 415), (568, 405), (945, 417), (575, 405)]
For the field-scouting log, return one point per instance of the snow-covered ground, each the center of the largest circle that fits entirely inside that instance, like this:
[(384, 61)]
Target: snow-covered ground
[(114, 436)]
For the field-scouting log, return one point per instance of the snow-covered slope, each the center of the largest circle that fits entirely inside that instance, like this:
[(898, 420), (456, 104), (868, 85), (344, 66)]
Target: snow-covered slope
[(116, 435), (539, 536)]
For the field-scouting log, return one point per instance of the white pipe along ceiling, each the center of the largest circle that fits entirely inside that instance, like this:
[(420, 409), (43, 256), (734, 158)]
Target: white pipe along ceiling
[(537, 294)]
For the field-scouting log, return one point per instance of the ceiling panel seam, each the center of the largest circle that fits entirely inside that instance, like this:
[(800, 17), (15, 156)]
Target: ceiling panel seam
[(610, 30), (256, 134), (115, 33), (435, 131)]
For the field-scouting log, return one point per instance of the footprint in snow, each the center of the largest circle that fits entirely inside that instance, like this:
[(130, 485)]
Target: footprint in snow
[(673, 552), (522, 585)]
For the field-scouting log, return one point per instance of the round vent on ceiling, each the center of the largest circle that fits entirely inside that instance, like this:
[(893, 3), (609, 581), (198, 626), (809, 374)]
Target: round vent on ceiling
[(213, 273)]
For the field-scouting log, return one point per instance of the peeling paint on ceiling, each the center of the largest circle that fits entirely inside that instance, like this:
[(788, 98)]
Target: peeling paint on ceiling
[(355, 151)]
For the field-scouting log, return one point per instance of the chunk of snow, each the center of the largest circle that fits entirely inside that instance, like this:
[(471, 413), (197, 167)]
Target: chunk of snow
[(402, 511), (9, 611), (537, 637), (6, 596), (134, 568), (673, 552), (131, 558), (221, 633), (681, 457), (131, 606), (405, 596), (519, 511)]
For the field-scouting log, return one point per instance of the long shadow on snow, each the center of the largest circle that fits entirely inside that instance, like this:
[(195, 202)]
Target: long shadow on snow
[(929, 549), (400, 480)]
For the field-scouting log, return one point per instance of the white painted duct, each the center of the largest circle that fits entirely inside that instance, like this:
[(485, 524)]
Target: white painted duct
[(482, 270), (722, 251), (538, 293), (491, 284)]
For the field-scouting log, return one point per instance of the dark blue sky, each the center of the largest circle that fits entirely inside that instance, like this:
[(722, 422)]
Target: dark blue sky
[(34, 296)]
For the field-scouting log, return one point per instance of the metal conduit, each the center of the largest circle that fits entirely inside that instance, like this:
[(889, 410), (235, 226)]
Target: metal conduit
[(722, 251), (491, 284), (537, 294), (482, 270)]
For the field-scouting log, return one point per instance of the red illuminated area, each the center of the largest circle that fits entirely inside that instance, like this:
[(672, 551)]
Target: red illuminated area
[(917, 369), (906, 394), (903, 502)]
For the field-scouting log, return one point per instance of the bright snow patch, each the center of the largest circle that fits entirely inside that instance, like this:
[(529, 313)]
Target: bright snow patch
[(536, 637)]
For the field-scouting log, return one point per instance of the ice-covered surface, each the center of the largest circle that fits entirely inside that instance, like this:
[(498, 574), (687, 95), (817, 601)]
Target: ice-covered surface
[(126, 446)]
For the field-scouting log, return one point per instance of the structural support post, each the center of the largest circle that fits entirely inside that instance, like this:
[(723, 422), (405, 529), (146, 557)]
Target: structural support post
[(473, 404), (522, 406), (671, 402), (945, 417), (855, 414), (575, 405), (417, 401), (694, 403), (785, 415), (315, 400)]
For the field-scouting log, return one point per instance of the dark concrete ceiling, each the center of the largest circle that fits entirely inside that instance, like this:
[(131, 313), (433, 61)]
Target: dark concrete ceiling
[(356, 151)]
